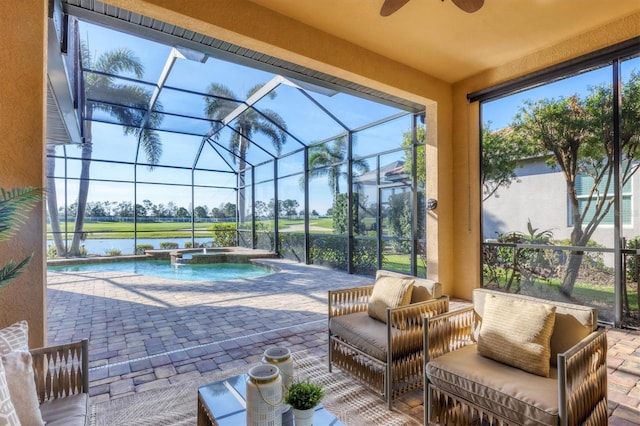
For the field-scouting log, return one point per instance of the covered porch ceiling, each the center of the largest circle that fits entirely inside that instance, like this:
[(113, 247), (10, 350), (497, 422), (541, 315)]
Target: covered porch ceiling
[(439, 39)]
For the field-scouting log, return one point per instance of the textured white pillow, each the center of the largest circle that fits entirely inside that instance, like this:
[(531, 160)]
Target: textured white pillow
[(14, 338), (22, 387), (389, 292), (8, 415), (517, 333)]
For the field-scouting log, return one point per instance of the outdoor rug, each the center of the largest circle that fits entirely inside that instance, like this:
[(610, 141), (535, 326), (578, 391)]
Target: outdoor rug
[(176, 404)]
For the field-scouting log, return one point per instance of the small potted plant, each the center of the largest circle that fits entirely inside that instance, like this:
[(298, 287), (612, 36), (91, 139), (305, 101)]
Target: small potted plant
[(303, 397)]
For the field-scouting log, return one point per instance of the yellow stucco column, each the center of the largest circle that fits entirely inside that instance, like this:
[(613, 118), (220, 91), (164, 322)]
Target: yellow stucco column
[(22, 126)]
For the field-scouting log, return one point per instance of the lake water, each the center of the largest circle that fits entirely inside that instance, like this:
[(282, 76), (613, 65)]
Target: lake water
[(126, 245)]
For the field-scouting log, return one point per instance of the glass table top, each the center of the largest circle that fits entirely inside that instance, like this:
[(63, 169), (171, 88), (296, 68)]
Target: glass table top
[(226, 401)]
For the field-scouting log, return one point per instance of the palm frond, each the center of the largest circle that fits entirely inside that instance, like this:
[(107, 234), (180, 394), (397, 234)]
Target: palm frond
[(119, 60), (152, 146), (219, 102), (14, 206), (11, 270)]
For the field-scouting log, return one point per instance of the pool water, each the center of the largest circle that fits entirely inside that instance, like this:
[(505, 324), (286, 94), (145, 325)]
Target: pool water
[(164, 269)]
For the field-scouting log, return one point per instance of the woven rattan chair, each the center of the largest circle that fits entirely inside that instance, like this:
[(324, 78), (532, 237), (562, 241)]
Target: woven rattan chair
[(61, 374), (387, 357), (464, 387)]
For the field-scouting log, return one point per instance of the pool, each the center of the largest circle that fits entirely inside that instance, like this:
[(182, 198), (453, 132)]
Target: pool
[(164, 269)]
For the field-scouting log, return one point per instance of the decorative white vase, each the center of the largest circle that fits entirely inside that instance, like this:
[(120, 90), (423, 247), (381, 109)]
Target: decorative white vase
[(303, 417), (264, 396), (281, 358)]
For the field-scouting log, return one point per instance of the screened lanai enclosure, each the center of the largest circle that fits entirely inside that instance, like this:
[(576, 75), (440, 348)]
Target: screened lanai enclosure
[(190, 143)]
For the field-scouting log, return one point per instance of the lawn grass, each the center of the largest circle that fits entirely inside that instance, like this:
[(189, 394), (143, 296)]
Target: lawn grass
[(401, 263), (167, 230), (593, 294)]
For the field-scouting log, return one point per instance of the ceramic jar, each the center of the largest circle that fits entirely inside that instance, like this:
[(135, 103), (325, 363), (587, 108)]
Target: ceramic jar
[(264, 396)]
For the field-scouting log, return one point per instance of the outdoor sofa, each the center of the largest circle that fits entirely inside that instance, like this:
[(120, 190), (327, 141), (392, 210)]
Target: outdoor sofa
[(48, 385), (512, 359), (375, 331)]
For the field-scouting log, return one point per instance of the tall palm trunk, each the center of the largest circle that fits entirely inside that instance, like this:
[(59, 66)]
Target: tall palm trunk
[(52, 201), (83, 191), (241, 181)]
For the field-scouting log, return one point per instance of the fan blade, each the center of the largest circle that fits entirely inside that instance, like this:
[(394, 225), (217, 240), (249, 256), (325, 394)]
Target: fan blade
[(469, 6), (391, 6)]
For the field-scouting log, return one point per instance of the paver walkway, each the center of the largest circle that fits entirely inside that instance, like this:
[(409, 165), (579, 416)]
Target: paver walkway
[(148, 332)]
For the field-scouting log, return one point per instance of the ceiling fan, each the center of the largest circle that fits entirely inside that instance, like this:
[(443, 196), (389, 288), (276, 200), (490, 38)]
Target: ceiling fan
[(391, 6)]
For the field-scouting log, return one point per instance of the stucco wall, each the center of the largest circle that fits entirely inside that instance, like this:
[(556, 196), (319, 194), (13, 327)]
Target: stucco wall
[(22, 106), (540, 194)]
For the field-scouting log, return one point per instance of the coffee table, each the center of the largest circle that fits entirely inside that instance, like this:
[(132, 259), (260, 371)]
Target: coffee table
[(223, 403)]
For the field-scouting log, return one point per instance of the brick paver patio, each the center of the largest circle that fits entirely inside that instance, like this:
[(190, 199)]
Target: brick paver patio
[(148, 332)]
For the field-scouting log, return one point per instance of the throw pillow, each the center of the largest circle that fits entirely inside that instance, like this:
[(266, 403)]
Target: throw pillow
[(8, 415), (517, 333), (389, 292), (14, 338), (22, 387)]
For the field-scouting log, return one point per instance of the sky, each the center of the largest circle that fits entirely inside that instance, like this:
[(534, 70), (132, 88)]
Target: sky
[(306, 122), (500, 112)]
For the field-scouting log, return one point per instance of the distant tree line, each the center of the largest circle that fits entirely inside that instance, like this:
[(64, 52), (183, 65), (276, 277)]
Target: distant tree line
[(148, 209), (286, 209), (97, 209)]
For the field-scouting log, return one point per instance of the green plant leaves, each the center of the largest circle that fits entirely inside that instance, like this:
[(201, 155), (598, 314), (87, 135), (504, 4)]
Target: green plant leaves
[(14, 206)]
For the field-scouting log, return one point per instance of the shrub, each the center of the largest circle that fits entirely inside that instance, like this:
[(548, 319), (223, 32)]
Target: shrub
[(168, 245), (189, 244), (292, 246), (52, 252), (331, 250), (141, 248), (633, 268), (113, 252), (224, 235)]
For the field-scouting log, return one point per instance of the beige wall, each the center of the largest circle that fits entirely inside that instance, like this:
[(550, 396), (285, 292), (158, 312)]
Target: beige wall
[(22, 106)]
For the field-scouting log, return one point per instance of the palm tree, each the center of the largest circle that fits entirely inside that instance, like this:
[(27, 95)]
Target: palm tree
[(128, 104), (219, 104), (328, 159), (14, 206)]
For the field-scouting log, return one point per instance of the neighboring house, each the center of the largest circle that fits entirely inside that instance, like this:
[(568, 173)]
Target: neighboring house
[(539, 194)]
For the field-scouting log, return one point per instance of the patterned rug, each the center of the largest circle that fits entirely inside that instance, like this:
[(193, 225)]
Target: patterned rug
[(346, 398)]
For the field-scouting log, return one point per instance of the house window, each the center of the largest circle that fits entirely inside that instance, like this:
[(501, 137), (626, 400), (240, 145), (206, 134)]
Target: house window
[(584, 184)]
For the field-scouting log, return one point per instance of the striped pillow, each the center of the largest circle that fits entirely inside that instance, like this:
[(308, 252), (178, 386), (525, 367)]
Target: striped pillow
[(389, 292), (517, 333), (14, 338)]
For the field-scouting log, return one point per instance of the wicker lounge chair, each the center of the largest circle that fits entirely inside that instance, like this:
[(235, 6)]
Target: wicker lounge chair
[(61, 374), (386, 355), (472, 380)]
